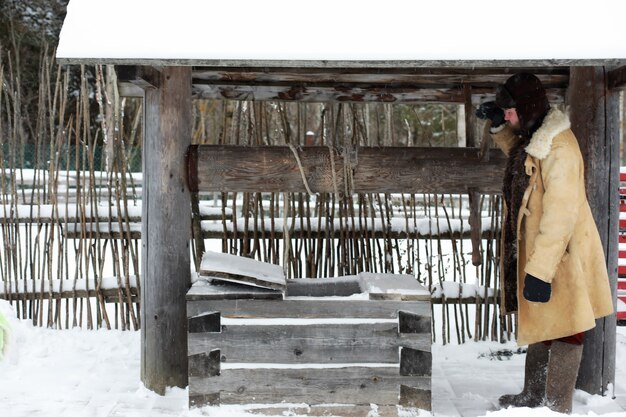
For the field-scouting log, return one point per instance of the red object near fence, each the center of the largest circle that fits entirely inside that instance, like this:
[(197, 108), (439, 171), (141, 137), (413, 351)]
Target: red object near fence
[(621, 265)]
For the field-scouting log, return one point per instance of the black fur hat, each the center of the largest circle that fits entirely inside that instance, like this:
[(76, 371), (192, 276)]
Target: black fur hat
[(524, 92)]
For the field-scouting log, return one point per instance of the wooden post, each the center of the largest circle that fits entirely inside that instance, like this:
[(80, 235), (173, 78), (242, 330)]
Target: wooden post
[(166, 229), (594, 116)]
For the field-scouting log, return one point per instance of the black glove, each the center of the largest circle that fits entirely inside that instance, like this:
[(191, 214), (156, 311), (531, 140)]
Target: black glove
[(491, 111), (536, 290)]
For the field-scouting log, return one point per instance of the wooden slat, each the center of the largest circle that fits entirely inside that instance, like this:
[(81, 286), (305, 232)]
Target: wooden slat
[(310, 343), (308, 308), (376, 170), (359, 385), (229, 291)]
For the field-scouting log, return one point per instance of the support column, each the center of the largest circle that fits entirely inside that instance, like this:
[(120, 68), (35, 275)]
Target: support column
[(166, 229), (595, 122)]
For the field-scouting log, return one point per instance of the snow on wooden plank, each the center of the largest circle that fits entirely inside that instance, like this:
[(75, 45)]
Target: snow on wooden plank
[(67, 288), (219, 290), (242, 270), (393, 287)]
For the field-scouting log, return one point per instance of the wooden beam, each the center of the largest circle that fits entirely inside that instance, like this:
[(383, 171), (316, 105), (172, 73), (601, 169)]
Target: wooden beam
[(426, 78), (166, 230), (353, 93), (617, 78), (589, 106), (374, 170)]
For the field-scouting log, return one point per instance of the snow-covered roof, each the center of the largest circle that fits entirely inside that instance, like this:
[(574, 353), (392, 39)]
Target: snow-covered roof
[(344, 32)]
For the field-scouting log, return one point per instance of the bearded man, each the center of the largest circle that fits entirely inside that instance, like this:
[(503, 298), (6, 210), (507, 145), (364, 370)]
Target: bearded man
[(553, 270)]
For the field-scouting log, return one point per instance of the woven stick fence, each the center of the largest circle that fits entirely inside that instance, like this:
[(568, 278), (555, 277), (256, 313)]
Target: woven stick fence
[(71, 209)]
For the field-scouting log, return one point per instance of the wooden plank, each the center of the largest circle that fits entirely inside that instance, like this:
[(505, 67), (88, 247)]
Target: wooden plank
[(354, 385), (306, 308), (340, 410), (323, 287), (166, 230), (242, 270), (589, 105), (309, 343), (230, 291), (449, 77), (377, 170), (401, 287)]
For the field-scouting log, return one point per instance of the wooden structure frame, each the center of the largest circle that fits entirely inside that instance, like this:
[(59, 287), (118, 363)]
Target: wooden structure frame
[(589, 86)]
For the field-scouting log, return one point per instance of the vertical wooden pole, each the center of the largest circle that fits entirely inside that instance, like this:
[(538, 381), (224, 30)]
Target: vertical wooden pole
[(166, 230), (594, 116)]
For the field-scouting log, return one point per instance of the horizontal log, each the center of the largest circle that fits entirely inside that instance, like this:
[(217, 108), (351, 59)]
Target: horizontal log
[(215, 231), (109, 295), (352, 385), (309, 343), (374, 170), (398, 94), (555, 78), (308, 308)]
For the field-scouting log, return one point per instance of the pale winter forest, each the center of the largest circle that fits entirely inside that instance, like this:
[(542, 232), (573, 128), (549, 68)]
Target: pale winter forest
[(71, 189)]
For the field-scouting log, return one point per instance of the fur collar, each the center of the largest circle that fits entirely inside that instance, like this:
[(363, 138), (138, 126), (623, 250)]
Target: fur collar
[(554, 123)]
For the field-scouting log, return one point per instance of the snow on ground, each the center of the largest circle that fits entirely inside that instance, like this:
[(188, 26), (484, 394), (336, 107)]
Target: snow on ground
[(96, 373)]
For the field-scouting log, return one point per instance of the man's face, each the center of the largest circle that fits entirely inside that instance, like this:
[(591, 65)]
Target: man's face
[(510, 115)]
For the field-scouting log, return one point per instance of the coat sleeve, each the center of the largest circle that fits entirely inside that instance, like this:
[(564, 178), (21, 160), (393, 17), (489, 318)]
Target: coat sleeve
[(561, 173), (505, 138)]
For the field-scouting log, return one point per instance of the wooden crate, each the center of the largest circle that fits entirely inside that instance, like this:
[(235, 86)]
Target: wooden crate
[(356, 340)]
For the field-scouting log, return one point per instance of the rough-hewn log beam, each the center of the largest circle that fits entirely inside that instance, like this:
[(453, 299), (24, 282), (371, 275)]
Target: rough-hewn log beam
[(427, 78), (374, 170), (594, 116), (166, 230)]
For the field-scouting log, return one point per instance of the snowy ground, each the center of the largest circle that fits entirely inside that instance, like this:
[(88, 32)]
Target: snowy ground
[(96, 373)]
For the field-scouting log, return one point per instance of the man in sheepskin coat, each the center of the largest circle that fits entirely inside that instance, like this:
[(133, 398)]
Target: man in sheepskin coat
[(553, 270)]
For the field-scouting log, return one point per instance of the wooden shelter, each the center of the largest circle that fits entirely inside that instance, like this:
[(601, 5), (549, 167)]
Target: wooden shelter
[(236, 55)]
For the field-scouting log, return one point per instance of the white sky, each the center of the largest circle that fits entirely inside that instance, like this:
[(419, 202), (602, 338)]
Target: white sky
[(344, 30)]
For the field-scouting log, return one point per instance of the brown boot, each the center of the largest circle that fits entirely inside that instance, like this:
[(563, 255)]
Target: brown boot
[(534, 379), (562, 373)]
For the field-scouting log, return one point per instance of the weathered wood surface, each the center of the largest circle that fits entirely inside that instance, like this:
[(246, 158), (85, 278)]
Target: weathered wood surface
[(310, 343), (437, 78), (617, 78), (166, 230), (331, 287), (304, 308), (415, 362), (336, 410), (230, 291), (204, 323), (205, 364), (594, 123), (375, 170), (241, 270), (359, 385)]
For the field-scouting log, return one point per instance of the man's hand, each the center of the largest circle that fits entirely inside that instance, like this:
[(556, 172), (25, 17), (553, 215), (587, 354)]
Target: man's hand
[(490, 110), (536, 290)]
